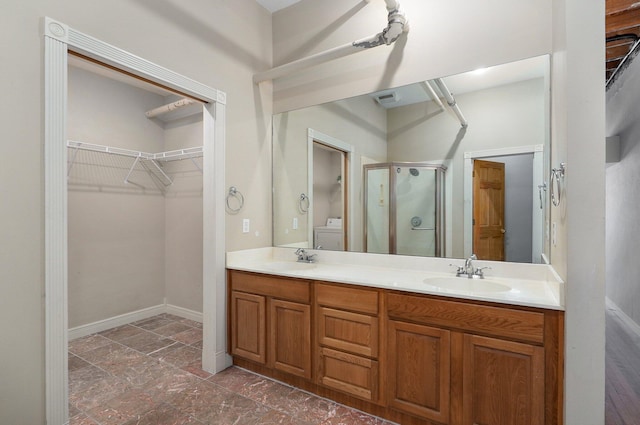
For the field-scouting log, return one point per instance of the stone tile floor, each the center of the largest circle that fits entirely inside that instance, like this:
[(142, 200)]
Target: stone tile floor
[(150, 373)]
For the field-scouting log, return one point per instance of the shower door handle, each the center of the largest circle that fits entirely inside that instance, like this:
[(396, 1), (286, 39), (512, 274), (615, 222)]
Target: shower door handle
[(423, 228)]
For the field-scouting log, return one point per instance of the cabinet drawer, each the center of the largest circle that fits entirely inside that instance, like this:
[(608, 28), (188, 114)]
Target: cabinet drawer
[(498, 321), (347, 298), (271, 286), (351, 374), (347, 331)]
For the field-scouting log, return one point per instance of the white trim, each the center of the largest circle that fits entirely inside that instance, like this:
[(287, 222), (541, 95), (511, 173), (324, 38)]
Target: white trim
[(185, 313), (349, 151), (111, 55), (538, 178), (633, 326), (59, 39), (134, 316), (513, 150), (114, 322), (55, 207), (214, 319), (329, 140)]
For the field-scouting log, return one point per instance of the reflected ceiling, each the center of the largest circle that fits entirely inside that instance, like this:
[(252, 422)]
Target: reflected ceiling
[(275, 5)]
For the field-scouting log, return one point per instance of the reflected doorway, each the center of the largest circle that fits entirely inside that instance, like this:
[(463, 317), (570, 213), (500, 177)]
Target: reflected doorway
[(525, 203), (329, 173), (488, 210), (329, 198), (503, 208)]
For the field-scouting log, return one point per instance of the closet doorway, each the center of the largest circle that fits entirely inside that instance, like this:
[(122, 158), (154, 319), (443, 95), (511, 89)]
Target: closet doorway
[(59, 40), (134, 195)]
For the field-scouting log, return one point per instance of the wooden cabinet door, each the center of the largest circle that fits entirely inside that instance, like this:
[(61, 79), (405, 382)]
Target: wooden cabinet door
[(248, 326), (290, 337), (351, 374), (418, 376), (503, 382)]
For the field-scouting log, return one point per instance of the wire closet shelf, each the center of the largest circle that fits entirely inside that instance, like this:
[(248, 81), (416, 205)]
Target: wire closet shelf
[(150, 162)]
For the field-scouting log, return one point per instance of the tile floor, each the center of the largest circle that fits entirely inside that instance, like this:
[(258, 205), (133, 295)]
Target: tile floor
[(150, 373)]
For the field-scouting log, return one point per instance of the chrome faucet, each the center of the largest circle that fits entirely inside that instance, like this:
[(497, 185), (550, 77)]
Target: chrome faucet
[(468, 270), (304, 256), (468, 265)]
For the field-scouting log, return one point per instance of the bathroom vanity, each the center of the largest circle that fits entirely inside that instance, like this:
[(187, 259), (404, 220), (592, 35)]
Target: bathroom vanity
[(395, 342)]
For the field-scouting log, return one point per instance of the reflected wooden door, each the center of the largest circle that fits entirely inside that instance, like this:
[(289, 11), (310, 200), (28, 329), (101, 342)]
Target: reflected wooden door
[(488, 210)]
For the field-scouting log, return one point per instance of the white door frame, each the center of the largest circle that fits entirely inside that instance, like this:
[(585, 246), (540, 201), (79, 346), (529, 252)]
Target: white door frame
[(538, 178), (59, 39), (325, 139)]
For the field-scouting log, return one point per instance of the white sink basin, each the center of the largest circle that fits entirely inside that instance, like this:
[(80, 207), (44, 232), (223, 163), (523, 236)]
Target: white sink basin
[(284, 266), (463, 284)]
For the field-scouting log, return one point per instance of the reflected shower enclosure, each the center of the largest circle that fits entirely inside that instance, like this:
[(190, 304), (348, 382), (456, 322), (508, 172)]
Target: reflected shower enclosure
[(404, 209)]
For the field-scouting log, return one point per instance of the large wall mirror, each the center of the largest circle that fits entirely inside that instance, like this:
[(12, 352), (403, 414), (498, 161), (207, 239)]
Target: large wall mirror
[(397, 172)]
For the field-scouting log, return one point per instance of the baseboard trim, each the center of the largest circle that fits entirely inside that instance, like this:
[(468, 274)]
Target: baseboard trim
[(633, 326), (185, 313), (134, 316)]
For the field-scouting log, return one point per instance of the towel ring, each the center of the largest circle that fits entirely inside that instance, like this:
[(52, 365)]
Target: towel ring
[(304, 203), (554, 187), (234, 193), (542, 187)]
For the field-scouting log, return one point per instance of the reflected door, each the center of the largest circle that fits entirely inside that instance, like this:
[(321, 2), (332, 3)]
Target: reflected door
[(488, 210), (417, 211)]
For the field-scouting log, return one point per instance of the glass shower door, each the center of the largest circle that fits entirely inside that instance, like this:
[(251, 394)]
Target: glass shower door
[(378, 201), (417, 211)]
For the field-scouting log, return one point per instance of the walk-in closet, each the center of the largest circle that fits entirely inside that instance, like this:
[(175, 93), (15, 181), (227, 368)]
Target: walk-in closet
[(135, 210)]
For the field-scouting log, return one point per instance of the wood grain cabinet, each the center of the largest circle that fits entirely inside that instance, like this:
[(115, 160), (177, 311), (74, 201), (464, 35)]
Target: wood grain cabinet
[(347, 325), (469, 363), (279, 307), (503, 382), (290, 337), (248, 330), (419, 370), (411, 358)]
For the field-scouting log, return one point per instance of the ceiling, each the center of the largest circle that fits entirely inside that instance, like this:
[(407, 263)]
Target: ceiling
[(480, 79), (275, 5), (622, 31)]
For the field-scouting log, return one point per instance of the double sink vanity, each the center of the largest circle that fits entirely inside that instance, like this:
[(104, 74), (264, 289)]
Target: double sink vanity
[(403, 338)]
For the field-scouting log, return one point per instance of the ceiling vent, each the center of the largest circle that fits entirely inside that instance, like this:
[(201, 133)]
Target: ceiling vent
[(387, 98)]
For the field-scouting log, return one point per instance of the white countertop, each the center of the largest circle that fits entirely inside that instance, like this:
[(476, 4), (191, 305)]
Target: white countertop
[(532, 285)]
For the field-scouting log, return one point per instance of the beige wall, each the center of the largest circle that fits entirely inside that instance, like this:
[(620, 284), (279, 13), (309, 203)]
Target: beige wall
[(199, 39), (446, 38), (359, 122)]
